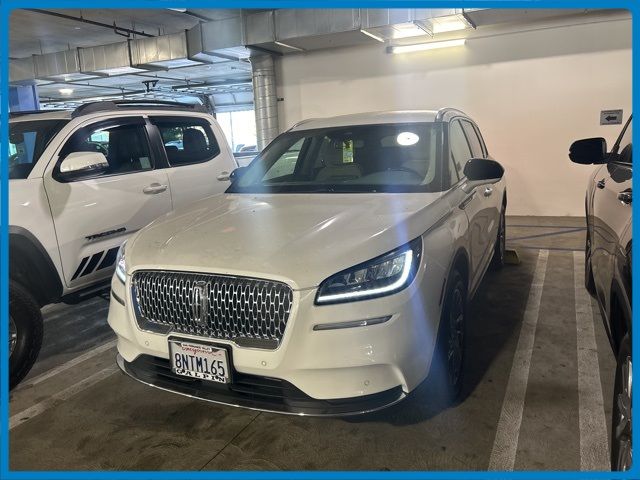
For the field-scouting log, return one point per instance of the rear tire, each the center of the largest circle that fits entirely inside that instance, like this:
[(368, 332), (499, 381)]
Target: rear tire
[(621, 418), (589, 282), (450, 347), (497, 262), (25, 332)]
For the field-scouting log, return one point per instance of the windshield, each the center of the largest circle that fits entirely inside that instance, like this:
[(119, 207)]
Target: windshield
[(365, 158), (27, 141)]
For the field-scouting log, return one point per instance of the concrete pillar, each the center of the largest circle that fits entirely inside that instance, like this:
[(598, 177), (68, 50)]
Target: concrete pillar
[(265, 100), (23, 98)]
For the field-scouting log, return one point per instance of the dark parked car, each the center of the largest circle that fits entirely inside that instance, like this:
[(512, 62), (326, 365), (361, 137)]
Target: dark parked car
[(608, 266)]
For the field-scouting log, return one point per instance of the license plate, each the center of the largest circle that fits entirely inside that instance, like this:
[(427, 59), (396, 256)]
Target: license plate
[(197, 360)]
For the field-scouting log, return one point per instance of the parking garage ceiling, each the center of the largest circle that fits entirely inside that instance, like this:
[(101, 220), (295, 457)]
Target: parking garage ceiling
[(181, 54)]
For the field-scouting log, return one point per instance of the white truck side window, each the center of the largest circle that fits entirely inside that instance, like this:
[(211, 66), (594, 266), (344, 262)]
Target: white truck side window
[(186, 140)]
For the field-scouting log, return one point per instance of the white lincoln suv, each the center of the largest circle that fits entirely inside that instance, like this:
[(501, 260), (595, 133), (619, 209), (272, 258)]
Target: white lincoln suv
[(330, 278)]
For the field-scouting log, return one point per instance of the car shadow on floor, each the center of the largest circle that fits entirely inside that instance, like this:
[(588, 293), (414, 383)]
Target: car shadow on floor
[(496, 314)]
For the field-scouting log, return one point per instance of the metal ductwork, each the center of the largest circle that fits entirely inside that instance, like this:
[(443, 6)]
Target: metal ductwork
[(265, 99), (112, 59), (218, 41), (64, 66), (164, 51), (22, 71)]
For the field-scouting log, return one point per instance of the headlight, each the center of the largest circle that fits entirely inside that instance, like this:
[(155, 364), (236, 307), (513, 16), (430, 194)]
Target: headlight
[(381, 276), (121, 265)]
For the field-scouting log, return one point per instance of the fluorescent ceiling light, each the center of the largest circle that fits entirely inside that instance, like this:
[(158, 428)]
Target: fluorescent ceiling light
[(66, 91), (450, 23), (375, 37), (282, 44), (418, 47)]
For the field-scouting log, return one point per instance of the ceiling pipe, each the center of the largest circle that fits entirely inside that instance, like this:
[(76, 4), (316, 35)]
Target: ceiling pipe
[(127, 32)]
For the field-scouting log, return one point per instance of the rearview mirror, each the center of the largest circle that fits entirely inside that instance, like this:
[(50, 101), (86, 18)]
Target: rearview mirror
[(483, 169), (589, 151), (237, 173), (16, 138), (84, 163)]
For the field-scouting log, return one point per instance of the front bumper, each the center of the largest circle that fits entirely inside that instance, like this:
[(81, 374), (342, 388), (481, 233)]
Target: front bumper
[(253, 392), (321, 372)]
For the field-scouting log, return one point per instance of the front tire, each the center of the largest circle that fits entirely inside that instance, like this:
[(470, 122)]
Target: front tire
[(451, 340), (497, 262), (621, 420), (25, 332)]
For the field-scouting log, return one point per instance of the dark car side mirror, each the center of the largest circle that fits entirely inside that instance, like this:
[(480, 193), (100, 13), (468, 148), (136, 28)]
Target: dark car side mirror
[(237, 173), (589, 151), (483, 169)]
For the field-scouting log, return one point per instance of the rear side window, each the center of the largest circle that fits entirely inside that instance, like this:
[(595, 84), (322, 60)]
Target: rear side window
[(187, 140), (459, 147), (474, 142)]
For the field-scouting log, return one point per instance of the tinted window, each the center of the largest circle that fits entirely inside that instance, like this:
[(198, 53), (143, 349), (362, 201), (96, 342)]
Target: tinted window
[(459, 147), (187, 140), (123, 143), (362, 158), (27, 141), (474, 141)]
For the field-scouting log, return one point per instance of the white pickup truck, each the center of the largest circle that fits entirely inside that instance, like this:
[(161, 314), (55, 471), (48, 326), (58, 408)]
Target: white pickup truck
[(81, 182)]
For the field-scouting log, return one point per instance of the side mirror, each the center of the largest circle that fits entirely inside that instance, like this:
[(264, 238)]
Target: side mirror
[(237, 173), (589, 151), (483, 169), (78, 164)]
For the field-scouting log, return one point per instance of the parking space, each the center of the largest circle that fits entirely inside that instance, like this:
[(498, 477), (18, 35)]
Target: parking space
[(530, 398)]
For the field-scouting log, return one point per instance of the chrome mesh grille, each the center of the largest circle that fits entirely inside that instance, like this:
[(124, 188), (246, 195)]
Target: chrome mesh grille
[(212, 306)]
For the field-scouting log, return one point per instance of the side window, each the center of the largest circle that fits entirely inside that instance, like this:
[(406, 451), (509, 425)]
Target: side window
[(474, 142), (187, 140), (459, 147), (625, 145), (124, 143)]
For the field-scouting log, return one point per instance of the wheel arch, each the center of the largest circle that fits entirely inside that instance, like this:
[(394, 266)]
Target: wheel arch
[(31, 266)]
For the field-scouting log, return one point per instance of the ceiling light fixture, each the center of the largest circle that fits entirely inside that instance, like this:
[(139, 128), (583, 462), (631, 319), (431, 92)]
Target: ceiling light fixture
[(375, 37), (418, 47), (66, 91), (282, 44), (449, 23)]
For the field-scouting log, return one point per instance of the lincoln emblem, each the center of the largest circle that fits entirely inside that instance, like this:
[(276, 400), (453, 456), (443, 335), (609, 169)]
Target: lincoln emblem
[(199, 302)]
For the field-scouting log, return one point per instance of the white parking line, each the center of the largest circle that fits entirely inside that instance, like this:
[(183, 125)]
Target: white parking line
[(65, 366), (594, 444), (505, 444), (67, 393)]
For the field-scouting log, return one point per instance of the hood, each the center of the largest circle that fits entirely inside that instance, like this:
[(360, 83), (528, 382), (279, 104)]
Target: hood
[(297, 238)]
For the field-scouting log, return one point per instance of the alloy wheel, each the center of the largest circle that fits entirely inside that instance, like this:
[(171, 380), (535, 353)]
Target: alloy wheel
[(456, 337), (622, 430)]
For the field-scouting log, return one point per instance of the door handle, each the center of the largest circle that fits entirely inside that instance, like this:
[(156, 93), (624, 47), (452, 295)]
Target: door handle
[(154, 188), (625, 196), (487, 191), (600, 184)]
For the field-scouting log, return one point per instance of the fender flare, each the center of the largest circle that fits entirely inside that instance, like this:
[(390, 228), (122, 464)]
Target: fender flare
[(32, 267)]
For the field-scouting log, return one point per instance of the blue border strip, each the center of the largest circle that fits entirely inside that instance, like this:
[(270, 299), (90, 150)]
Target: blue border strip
[(5, 9)]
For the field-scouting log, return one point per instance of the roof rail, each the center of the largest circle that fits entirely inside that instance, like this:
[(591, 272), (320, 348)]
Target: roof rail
[(34, 112), (443, 111), (110, 105)]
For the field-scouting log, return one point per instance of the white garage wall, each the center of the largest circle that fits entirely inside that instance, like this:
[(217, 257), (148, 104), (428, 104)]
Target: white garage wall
[(532, 93)]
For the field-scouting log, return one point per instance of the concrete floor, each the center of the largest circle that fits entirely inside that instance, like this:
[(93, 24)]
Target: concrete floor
[(76, 412)]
